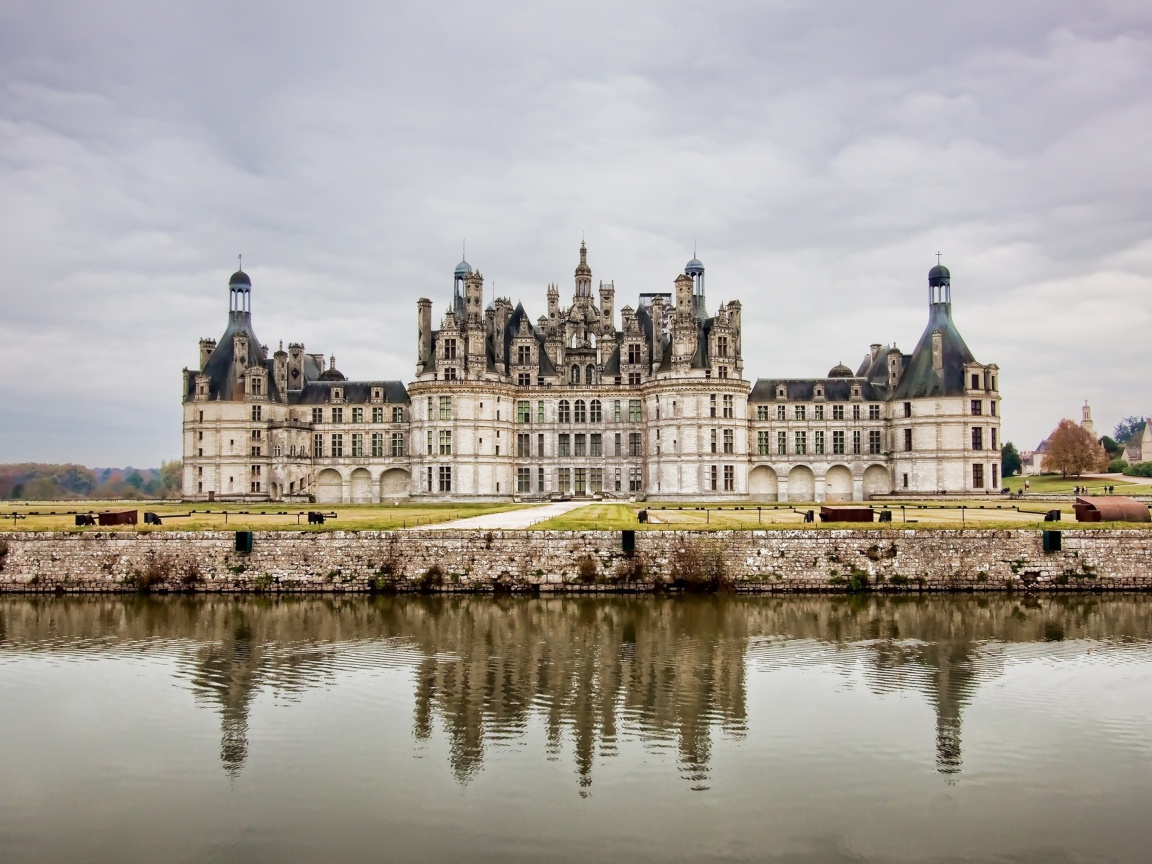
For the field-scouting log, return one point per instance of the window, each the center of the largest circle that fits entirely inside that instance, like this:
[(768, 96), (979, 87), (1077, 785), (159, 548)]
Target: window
[(431, 445), (721, 371), (976, 386), (856, 441), (524, 355), (563, 479), (397, 443), (377, 445), (907, 440), (633, 379), (445, 442), (729, 406), (634, 411), (635, 444), (317, 415), (255, 451), (907, 409), (445, 478), (377, 394), (634, 354), (761, 412), (540, 478), (977, 438), (977, 476), (616, 481), (714, 440), (873, 412), (579, 413), (837, 412), (357, 415), (256, 434), (257, 388), (596, 480), (992, 408), (428, 488), (445, 407), (579, 444), (317, 445), (449, 349), (595, 412), (617, 450), (595, 444), (729, 441), (540, 445), (800, 412), (781, 443), (337, 415), (378, 414), (634, 483), (563, 444), (337, 445), (712, 405), (523, 480), (523, 445), (874, 441), (256, 410), (564, 412), (358, 444), (729, 478), (574, 375), (992, 435), (977, 407), (523, 379), (995, 475), (801, 443), (523, 411), (616, 410), (838, 443), (817, 412), (905, 481), (763, 446), (781, 412), (818, 443), (713, 476), (429, 417), (855, 412), (449, 373), (398, 414)]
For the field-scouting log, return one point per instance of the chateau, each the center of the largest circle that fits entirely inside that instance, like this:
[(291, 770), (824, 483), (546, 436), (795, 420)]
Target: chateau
[(504, 407)]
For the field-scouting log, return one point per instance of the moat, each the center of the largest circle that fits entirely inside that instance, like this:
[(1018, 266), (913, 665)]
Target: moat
[(717, 728)]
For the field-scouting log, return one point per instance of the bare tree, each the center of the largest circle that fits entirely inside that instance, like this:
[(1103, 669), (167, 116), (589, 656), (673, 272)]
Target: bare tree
[(1073, 450)]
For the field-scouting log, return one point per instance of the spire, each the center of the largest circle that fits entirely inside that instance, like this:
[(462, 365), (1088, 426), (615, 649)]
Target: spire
[(583, 273)]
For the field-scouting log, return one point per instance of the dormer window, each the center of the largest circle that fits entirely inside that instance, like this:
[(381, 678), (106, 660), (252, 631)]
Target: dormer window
[(524, 355), (337, 394), (449, 349), (856, 393), (377, 394), (819, 391), (781, 392), (722, 348)]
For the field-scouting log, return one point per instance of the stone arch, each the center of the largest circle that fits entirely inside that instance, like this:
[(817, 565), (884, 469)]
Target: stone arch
[(763, 484), (838, 484), (801, 484), (877, 481), (329, 487), (395, 483), (361, 486)]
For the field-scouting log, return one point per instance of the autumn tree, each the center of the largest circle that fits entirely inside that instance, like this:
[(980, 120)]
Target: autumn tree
[(1073, 450)]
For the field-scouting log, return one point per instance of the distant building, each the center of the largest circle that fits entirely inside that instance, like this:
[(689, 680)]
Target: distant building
[(1139, 449), (502, 406)]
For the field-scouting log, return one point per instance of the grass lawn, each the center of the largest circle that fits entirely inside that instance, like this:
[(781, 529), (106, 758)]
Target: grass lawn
[(55, 516), (1054, 484)]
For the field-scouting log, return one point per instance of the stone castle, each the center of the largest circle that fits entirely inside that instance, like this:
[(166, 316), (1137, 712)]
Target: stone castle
[(502, 407)]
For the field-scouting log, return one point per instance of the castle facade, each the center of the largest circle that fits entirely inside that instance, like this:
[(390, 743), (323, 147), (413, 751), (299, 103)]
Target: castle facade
[(587, 402)]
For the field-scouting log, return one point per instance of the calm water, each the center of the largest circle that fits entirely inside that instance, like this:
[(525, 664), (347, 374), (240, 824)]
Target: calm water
[(582, 730)]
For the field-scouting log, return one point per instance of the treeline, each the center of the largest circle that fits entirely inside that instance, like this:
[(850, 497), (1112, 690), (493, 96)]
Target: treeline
[(38, 481)]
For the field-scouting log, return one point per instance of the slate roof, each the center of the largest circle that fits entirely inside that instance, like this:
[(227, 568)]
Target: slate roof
[(920, 379), (355, 392), (224, 371), (802, 389)]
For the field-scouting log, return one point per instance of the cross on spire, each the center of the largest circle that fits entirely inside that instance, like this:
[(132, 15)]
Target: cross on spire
[(240, 260), (937, 257)]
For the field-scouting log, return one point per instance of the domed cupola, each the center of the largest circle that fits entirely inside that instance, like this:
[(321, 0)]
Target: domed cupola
[(332, 373), (463, 269), (940, 287), (239, 292), (840, 371)]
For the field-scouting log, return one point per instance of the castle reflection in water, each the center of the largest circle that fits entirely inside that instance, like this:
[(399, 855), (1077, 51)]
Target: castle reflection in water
[(484, 668)]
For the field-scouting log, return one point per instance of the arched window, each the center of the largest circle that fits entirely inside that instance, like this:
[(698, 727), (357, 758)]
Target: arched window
[(580, 415), (594, 413), (590, 374), (564, 412), (574, 376)]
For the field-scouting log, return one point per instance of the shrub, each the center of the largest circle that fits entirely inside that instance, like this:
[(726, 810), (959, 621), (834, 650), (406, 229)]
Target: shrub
[(586, 569), (632, 569), (1117, 466), (699, 565), (1139, 469), (432, 579), (155, 573)]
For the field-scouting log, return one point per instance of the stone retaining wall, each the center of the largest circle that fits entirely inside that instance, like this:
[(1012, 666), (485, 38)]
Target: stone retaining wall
[(810, 560)]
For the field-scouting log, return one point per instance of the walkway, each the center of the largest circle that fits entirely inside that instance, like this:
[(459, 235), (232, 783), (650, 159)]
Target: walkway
[(509, 520)]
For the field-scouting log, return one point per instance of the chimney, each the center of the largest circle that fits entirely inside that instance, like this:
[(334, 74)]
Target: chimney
[(875, 349), (423, 330), (207, 346), (938, 352)]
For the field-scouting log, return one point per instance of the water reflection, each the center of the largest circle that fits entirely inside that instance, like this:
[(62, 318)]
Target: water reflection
[(669, 670)]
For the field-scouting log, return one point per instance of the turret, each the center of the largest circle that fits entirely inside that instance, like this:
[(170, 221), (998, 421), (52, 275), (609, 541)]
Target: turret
[(683, 293), (474, 297)]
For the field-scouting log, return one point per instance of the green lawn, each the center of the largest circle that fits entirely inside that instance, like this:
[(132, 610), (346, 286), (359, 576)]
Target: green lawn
[(55, 516), (1054, 484)]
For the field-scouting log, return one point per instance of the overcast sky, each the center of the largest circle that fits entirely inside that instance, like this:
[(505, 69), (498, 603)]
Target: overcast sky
[(818, 153)]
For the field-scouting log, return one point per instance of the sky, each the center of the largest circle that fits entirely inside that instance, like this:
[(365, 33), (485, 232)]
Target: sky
[(817, 156)]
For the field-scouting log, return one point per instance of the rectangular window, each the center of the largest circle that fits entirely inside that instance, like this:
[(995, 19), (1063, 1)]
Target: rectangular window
[(838, 443), (540, 478), (712, 405), (445, 478), (397, 443), (540, 445), (523, 411), (763, 445), (713, 477), (976, 386), (729, 441), (633, 379), (357, 415), (255, 451), (581, 484), (800, 411), (523, 480), (995, 475), (317, 415), (818, 442), (377, 445), (907, 440), (977, 438), (801, 443), (977, 407), (523, 445), (837, 412), (818, 412), (729, 406), (378, 414), (781, 412), (729, 478), (523, 379), (721, 371), (445, 442), (357, 444), (428, 486), (563, 444), (634, 415), (398, 415), (781, 443), (992, 434), (563, 479), (617, 450), (445, 407), (874, 441), (595, 445), (616, 482), (579, 445), (634, 482), (855, 412), (524, 355), (714, 440), (540, 411), (635, 444), (977, 474), (431, 442), (907, 409), (337, 445), (337, 415), (317, 445), (761, 412), (856, 441), (449, 349), (905, 481), (616, 410), (992, 408), (596, 480), (256, 413), (873, 412)]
